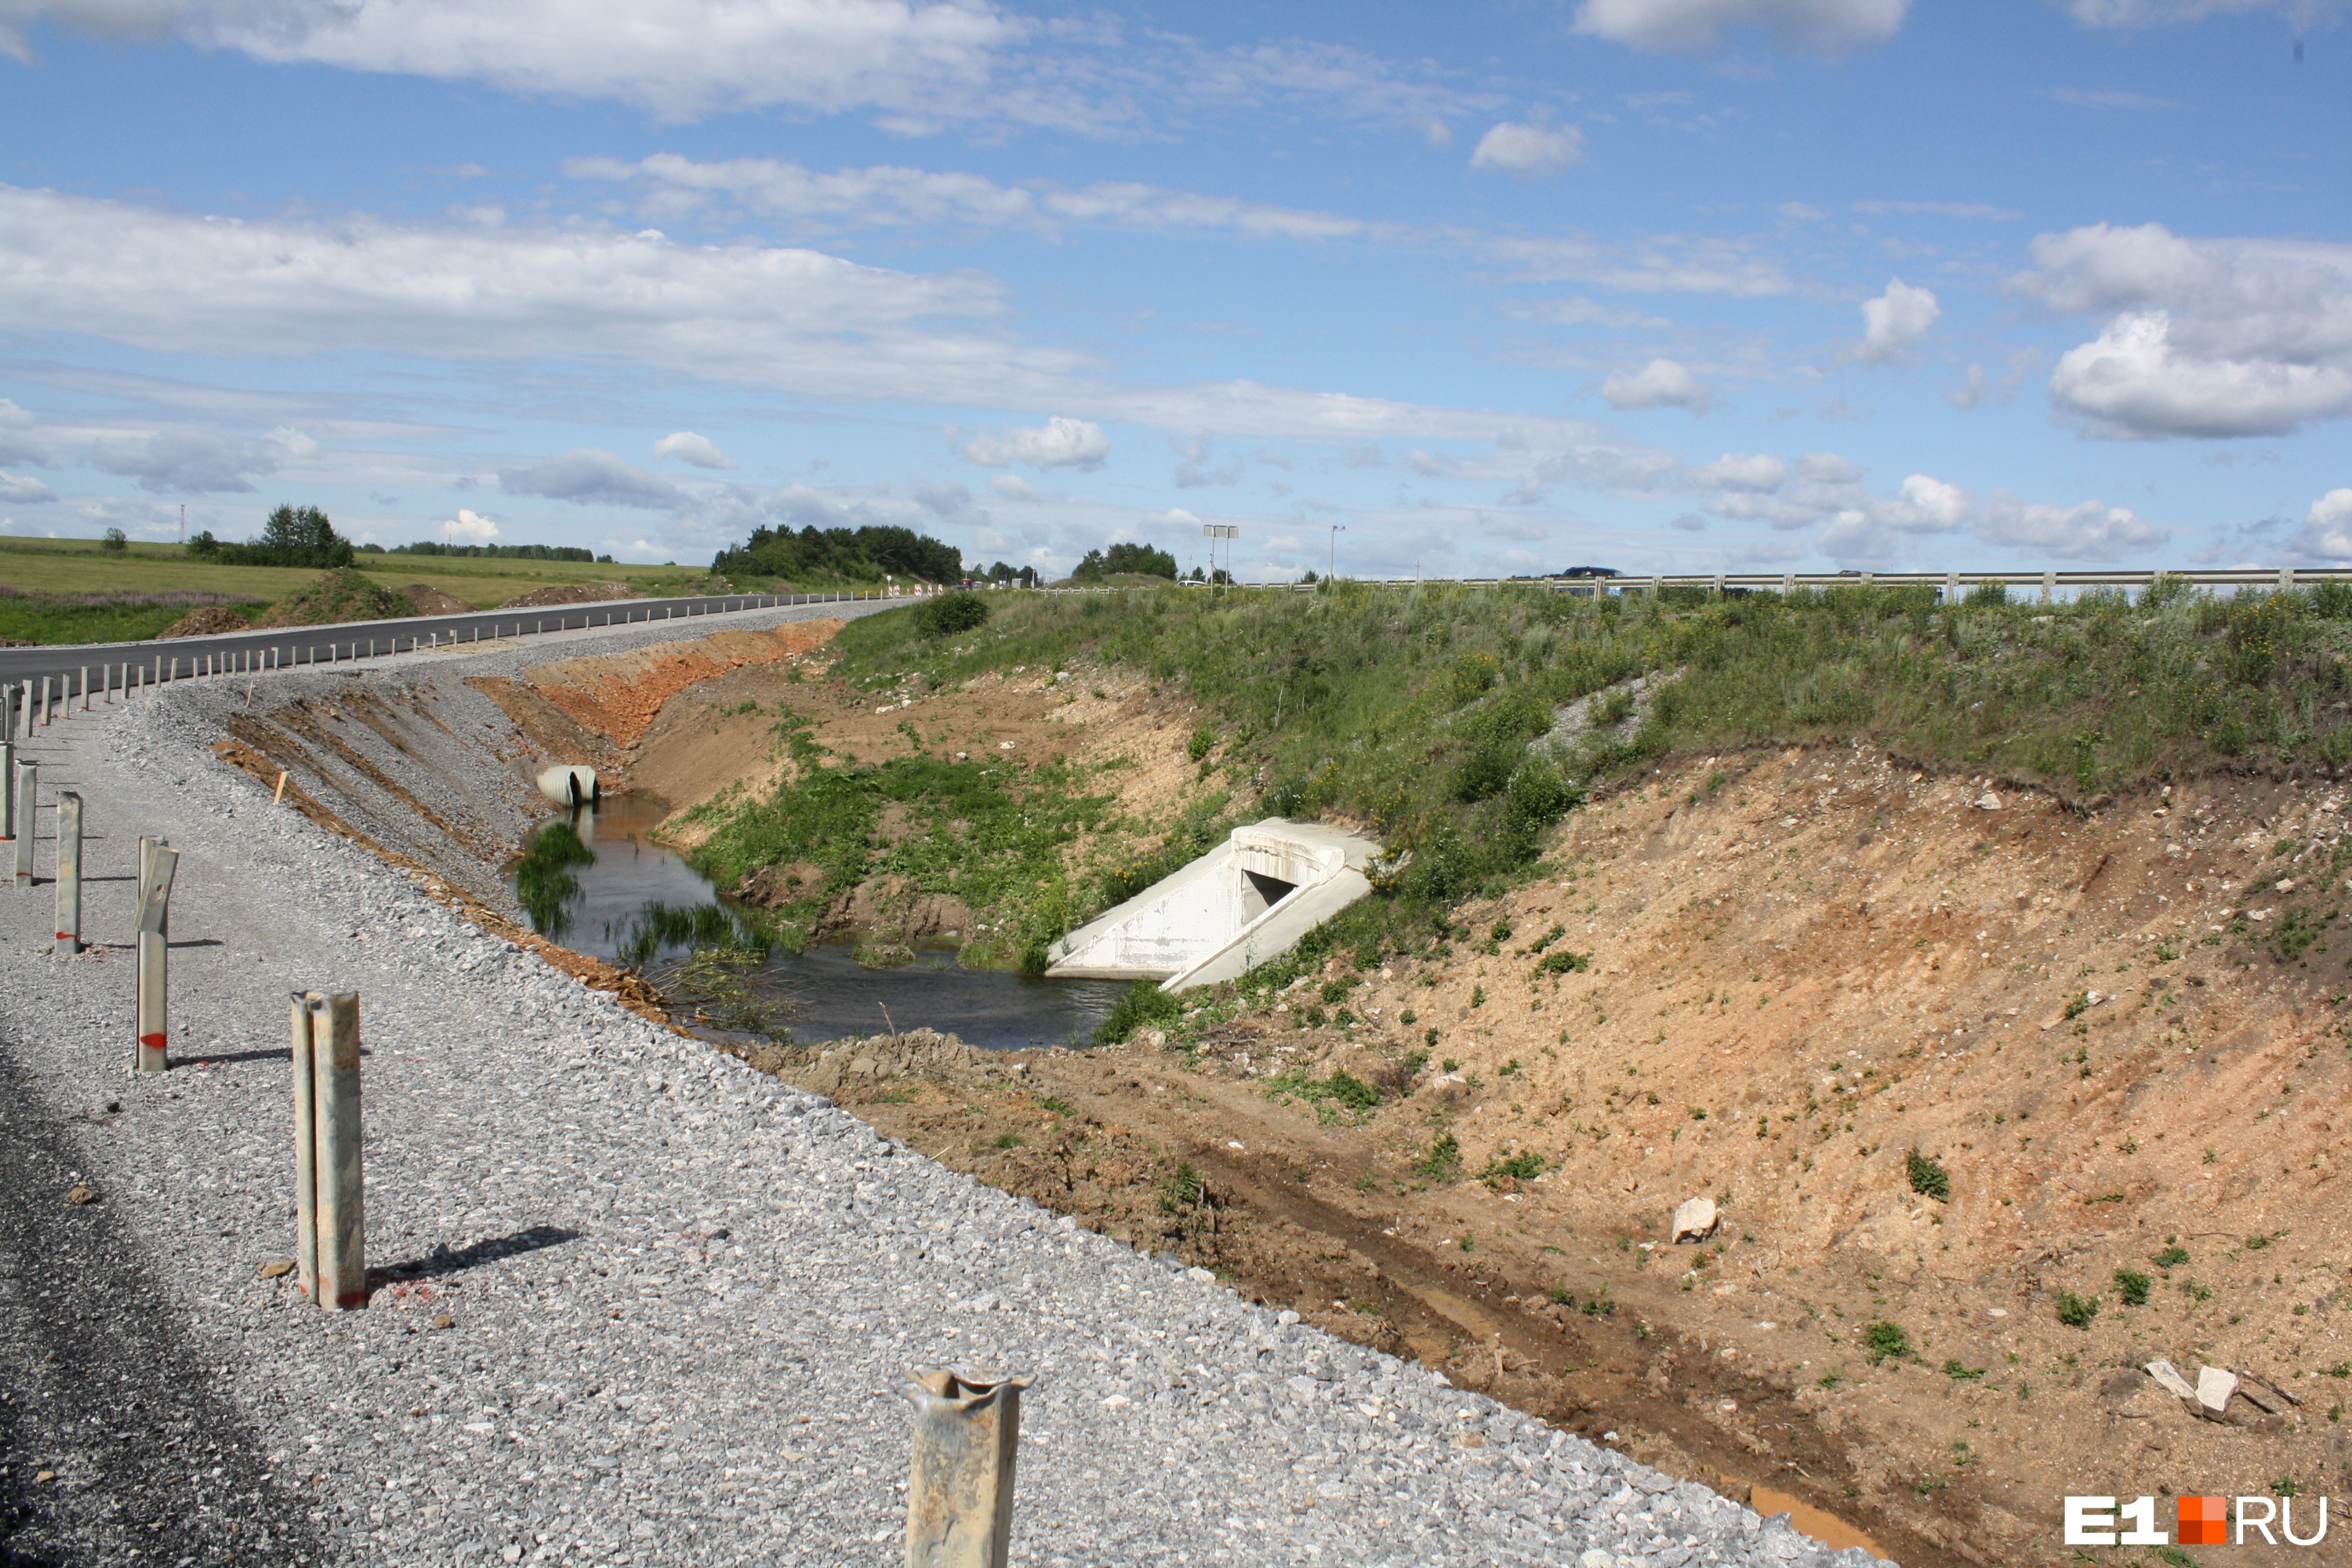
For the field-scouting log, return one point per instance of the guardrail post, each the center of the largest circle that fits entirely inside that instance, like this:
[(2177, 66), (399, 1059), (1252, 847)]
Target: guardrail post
[(69, 873), (2049, 585), (959, 1495), (29, 787), (2286, 580), (8, 791), (331, 1234), (45, 702), (158, 864)]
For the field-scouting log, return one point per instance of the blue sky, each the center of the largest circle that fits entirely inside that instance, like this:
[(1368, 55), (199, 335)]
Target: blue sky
[(1680, 285)]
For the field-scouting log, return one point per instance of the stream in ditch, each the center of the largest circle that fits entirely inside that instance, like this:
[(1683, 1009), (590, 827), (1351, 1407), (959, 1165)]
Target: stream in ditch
[(824, 993)]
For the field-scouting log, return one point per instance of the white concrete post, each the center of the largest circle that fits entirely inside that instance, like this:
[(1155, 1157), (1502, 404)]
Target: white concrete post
[(45, 702), (158, 864), (2049, 585), (7, 791), (1951, 587), (330, 1238), (69, 873), (960, 1494), (175, 666), (85, 688), (28, 787), (1788, 585), (2286, 579)]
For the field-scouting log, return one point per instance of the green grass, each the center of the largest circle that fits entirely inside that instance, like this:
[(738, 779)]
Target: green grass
[(78, 567), (1411, 709), (103, 616)]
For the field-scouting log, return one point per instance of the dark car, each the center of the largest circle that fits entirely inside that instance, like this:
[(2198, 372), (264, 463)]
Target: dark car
[(1590, 572)]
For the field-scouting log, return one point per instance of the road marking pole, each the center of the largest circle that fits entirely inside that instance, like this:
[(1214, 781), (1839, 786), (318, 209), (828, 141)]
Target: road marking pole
[(28, 782), (330, 1238), (158, 864), (69, 873), (959, 1496)]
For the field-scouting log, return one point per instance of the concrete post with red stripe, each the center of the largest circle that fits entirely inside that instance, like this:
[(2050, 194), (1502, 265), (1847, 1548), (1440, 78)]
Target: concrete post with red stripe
[(68, 876), (158, 862), (331, 1232)]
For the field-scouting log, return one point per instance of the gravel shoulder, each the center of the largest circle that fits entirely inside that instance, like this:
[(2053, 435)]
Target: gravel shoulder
[(633, 1302)]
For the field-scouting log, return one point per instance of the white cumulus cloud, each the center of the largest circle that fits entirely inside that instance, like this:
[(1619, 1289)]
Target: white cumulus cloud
[(1896, 320), (588, 476), (2328, 526), (2157, 13), (1825, 25), (468, 528), (1755, 471), (1528, 149), (1013, 487), (2089, 530), (24, 491), (1060, 442), (688, 447), (1661, 382), (2200, 338)]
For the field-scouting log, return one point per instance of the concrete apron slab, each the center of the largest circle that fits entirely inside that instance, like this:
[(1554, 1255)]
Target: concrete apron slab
[(1249, 899)]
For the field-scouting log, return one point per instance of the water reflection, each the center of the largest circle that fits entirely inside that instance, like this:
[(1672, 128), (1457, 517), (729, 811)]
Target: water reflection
[(623, 898)]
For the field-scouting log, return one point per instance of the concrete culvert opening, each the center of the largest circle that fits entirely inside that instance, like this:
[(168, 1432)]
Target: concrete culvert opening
[(1261, 893)]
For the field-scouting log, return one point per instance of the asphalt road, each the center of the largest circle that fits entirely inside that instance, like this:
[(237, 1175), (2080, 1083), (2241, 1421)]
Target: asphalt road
[(285, 646)]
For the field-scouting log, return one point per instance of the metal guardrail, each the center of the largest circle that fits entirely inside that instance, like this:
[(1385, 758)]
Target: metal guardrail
[(285, 648), (2279, 579)]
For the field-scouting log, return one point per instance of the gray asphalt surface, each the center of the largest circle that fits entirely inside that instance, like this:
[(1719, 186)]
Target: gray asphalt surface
[(633, 1302)]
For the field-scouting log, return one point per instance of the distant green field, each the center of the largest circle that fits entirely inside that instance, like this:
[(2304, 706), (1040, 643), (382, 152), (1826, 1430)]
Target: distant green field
[(51, 576)]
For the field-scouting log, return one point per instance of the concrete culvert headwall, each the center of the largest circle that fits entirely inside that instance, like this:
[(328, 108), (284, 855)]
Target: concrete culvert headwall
[(1249, 899)]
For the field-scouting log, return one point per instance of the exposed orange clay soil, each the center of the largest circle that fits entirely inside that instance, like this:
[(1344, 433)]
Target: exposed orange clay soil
[(1837, 961)]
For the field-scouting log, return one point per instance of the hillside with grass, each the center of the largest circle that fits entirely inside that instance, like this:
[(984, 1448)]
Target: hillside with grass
[(1434, 716)]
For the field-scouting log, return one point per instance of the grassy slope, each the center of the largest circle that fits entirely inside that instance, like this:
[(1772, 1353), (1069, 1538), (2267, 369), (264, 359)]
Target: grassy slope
[(1411, 709)]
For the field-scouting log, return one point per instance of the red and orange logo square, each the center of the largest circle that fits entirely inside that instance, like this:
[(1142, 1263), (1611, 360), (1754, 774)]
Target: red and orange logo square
[(2204, 1521)]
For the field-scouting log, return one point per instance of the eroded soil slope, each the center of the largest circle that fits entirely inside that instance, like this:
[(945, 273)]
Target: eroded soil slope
[(2118, 1034)]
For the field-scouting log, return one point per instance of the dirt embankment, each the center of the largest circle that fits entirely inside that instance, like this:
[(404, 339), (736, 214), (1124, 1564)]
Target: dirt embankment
[(1800, 968)]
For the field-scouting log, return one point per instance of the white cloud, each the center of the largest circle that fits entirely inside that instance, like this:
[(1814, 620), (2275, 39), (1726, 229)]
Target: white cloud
[(468, 528), (1974, 210), (2105, 97), (2091, 530), (1013, 487), (1689, 522), (1657, 264), (2206, 337), (679, 59), (18, 442), (892, 197), (2156, 13), (1896, 320), (1530, 148), (1176, 517), (24, 491), (1827, 468), (587, 475), (1755, 471), (1060, 442), (2327, 531), (196, 462), (1825, 25), (785, 318), (949, 501), (688, 447), (1661, 382)]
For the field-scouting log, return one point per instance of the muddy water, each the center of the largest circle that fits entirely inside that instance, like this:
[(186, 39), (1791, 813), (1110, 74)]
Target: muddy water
[(832, 997), (1826, 1528)]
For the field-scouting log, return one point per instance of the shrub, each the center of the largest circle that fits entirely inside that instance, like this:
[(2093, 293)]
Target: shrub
[(2132, 1286), (1140, 1005), (2171, 1257), (948, 614), (2076, 1311), (1564, 963), (1928, 1176), (1203, 740), (1351, 1091), (1443, 1161), (1887, 1340), (1524, 1166), (115, 542)]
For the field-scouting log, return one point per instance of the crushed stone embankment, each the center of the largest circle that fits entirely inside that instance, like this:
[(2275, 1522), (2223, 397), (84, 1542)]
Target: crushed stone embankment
[(637, 1303)]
